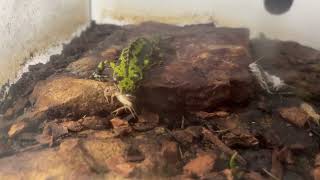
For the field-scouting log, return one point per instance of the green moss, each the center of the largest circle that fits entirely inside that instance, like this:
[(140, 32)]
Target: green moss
[(101, 67), (133, 61)]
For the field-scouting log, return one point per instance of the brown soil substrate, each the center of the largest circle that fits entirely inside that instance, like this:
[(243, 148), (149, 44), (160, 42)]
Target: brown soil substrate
[(202, 114)]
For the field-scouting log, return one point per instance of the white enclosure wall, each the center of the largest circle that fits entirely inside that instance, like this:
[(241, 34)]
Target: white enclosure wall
[(32, 25), (301, 23)]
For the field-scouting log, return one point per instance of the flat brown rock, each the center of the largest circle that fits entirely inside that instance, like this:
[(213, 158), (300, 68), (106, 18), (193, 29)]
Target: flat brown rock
[(65, 95), (202, 68), (72, 160), (60, 97)]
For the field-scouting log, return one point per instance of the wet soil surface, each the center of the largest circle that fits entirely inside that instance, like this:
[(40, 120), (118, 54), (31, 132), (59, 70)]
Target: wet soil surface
[(202, 114)]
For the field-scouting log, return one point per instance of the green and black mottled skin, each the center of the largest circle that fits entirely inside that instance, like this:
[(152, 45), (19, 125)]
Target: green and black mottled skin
[(129, 69)]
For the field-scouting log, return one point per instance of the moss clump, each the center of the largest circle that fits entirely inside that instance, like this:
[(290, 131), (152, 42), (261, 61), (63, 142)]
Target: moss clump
[(132, 63)]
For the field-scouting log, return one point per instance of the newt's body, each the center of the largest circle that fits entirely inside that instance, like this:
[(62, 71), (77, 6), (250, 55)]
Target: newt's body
[(128, 71)]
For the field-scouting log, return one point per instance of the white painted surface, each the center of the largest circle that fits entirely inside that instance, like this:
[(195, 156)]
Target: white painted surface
[(35, 25), (301, 23)]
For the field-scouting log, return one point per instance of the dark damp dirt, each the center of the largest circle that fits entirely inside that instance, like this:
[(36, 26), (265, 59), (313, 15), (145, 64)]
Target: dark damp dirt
[(56, 122)]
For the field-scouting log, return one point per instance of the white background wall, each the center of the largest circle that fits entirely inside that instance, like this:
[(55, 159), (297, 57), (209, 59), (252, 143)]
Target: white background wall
[(301, 23), (31, 25)]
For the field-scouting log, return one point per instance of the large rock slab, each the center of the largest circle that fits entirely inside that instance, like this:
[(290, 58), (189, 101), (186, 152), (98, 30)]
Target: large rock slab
[(297, 65), (60, 97), (99, 156), (70, 96), (74, 159), (202, 68), (71, 52)]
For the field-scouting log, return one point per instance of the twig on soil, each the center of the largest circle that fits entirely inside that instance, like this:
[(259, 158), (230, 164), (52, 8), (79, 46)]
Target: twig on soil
[(216, 141), (277, 167), (182, 123), (171, 134), (270, 174), (32, 148), (224, 130), (181, 154)]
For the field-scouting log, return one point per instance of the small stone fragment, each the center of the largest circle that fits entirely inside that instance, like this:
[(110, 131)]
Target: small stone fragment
[(196, 131), (146, 121), (118, 123), (317, 161), (183, 136), (44, 139), (74, 126), (201, 165), (228, 173), (57, 130), (294, 115), (16, 128), (93, 122), (311, 112), (52, 132), (316, 173), (120, 126), (241, 139), (160, 130), (170, 152), (206, 115)]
